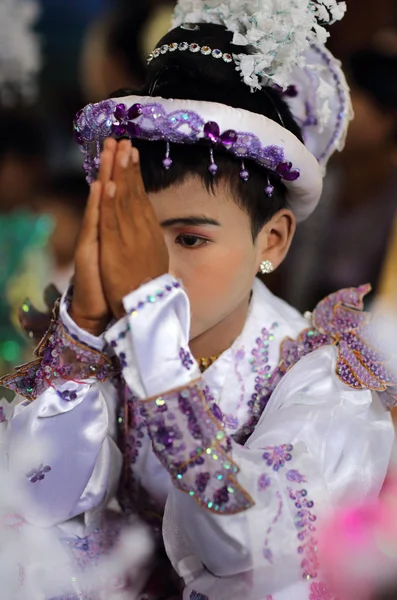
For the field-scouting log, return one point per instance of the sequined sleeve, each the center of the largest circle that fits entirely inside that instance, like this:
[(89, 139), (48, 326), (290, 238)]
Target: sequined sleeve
[(192, 445), (153, 350), (61, 357)]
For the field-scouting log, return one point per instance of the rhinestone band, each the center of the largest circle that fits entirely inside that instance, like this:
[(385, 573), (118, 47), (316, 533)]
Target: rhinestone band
[(194, 48)]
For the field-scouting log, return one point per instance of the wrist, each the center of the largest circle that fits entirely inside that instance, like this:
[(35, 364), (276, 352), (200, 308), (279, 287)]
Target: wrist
[(95, 327)]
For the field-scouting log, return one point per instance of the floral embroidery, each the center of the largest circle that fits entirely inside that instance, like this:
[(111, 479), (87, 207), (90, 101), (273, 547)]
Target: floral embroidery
[(263, 482), (186, 359), (294, 475), (38, 474), (265, 382), (304, 522), (193, 447), (267, 553), (277, 456)]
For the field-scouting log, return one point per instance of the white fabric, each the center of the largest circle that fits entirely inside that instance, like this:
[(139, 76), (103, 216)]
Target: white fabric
[(341, 439)]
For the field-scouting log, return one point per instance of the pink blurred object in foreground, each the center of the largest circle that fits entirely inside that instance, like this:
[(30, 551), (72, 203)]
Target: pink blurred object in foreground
[(358, 548)]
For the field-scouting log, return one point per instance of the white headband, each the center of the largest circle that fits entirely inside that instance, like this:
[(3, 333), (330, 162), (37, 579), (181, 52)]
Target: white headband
[(242, 133)]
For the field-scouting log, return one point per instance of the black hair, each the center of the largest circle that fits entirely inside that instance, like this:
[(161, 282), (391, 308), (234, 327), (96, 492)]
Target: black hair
[(187, 75)]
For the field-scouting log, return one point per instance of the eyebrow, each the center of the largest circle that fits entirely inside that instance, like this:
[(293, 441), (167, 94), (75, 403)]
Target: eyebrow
[(193, 220)]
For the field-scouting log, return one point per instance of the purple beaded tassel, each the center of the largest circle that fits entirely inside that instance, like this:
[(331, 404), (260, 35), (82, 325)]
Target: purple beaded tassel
[(167, 162), (244, 174), (213, 168), (269, 189)]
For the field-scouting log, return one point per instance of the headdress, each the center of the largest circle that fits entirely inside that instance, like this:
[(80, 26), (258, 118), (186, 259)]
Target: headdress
[(284, 48), (19, 49)]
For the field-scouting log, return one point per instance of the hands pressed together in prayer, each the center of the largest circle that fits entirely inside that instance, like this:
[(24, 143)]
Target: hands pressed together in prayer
[(121, 244)]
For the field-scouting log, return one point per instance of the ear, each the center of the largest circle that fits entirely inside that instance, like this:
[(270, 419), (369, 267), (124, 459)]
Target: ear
[(276, 236)]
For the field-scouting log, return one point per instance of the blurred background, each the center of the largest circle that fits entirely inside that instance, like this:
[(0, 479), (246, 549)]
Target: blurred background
[(79, 51)]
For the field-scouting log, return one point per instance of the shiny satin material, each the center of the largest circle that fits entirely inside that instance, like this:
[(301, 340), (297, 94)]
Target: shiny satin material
[(341, 443)]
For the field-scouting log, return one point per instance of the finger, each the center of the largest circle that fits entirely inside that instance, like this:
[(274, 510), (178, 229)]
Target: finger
[(107, 219), (107, 160), (140, 203), (89, 227), (121, 161)]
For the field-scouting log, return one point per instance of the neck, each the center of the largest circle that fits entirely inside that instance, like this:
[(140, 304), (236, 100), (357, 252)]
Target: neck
[(219, 338)]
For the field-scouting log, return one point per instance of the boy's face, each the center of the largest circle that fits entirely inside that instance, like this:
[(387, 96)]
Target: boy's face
[(211, 249)]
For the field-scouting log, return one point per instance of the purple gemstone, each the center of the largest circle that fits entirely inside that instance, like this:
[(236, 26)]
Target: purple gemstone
[(118, 130), (293, 175), (284, 168), (167, 163), (244, 175), (229, 138), (164, 437), (212, 131), (120, 112), (291, 91), (135, 111), (269, 189), (216, 411), (133, 130), (213, 169)]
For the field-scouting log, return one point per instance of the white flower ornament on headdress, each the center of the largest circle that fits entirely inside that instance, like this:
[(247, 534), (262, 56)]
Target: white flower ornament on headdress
[(278, 31), (19, 48), (285, 42)]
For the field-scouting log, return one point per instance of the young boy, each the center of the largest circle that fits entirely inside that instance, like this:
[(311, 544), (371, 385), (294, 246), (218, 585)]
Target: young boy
[(240, 421)]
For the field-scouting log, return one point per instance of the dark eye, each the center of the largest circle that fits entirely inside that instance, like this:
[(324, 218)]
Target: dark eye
[(191, 241)]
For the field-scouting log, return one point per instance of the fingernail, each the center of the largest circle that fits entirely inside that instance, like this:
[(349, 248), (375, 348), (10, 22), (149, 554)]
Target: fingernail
[(124, 160), (135, 156), (111, 189)]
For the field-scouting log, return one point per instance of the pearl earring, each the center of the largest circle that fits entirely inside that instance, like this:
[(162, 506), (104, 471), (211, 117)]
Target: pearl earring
[(266, 267)]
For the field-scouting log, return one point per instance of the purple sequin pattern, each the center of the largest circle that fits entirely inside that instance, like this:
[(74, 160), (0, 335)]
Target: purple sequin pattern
[(192, 445), (339, 320), (38, 474), (186, 359), (152, 122), (277, 456), (152, 299), (61, 357)]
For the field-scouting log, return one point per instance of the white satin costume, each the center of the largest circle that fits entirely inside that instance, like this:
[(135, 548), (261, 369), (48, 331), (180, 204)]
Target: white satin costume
[(242, 460)]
